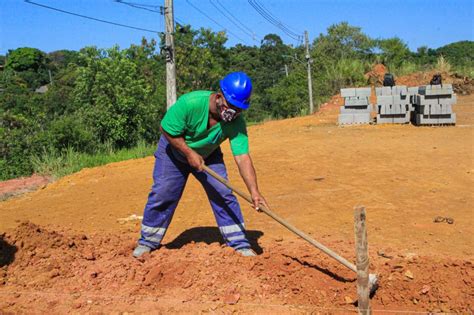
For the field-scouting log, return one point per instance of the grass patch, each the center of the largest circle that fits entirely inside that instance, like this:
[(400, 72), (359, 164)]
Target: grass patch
[(59, 164)]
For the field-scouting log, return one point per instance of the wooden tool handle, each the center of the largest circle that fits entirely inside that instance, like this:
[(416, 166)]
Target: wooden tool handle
[(283, 222)]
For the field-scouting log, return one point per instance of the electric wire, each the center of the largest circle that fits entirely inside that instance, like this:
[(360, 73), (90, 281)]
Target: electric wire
[(237, 20), (92, 18), (274, 22), (270, 18), (137, 6), (274, 17), (203, 13), (230, 18)]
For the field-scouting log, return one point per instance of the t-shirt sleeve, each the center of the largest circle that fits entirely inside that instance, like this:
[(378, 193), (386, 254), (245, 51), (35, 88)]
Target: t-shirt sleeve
[(237, 133), (174, 121)]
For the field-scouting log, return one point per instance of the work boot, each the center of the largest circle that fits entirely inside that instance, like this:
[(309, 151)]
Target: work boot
[(140, 250), (246, 252)]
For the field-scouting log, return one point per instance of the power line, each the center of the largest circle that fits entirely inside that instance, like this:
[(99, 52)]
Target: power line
[(203, 13), (237, 20), (273, 20), (139, 6), (231, 19), (92, 18), (281, 23)]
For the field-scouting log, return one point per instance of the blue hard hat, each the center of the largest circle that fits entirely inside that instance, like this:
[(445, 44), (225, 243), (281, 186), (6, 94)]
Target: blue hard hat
[(237, 88)]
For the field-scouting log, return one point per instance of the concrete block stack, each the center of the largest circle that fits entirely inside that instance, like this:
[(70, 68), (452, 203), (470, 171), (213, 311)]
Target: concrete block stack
[(357, 108), (434, 105), (393, 104)]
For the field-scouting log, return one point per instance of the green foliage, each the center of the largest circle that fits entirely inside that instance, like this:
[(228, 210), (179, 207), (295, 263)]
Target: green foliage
[(394, 51), (343, 42), (111, 96), (289, 97), (200, 59), (106, 105), (346, 72), (59, 164), (22, 59), (459, 53)]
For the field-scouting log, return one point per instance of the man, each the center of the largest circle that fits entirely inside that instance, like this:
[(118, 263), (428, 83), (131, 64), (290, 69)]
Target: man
[(192, 131)]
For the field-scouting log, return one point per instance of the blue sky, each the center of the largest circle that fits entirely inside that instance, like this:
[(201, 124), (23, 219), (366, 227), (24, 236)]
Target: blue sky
[(433, 23)]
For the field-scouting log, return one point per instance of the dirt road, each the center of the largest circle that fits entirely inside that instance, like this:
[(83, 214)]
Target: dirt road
[(75, 253)]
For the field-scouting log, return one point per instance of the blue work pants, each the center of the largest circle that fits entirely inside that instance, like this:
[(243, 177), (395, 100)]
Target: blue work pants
[(170, 174)]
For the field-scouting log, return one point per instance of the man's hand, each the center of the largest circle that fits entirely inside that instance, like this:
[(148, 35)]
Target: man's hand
[(195, 160), (258, 201)]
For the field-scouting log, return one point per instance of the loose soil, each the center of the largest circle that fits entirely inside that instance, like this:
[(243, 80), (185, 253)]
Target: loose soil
[(67, 247)]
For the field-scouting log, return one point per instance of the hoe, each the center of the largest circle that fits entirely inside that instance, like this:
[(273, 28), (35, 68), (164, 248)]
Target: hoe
[(373, 281)]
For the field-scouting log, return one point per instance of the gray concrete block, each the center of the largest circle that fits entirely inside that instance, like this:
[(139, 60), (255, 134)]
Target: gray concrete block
[(350, 119), (396, 99), (363, 92), (412, 90), (363, 118), (402, 120), (399, 90), (382, 119), (446, 109), (356, 102), (348, 92), (385, 109), (345, 119), (426, 120), (384, 90), (384, 99), (448, 121), (445, 89), (345, 110), (448, 99), (421, 119), (425, 100)]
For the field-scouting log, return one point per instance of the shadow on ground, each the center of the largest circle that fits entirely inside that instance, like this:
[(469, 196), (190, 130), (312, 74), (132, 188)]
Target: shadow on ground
[(7, 252), (209, 235)]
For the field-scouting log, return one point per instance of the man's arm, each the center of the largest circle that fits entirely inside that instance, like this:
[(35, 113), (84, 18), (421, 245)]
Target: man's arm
[(247, 171), (194, 159)]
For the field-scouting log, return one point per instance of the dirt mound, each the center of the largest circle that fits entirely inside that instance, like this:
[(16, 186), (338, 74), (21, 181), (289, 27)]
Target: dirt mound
[(375, 76), (58, 272)]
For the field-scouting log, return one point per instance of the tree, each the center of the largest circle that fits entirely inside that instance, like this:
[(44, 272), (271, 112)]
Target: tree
[(393, 51), (343, 41), (200, 58), (458, 53), (25, 58), (112, 96)]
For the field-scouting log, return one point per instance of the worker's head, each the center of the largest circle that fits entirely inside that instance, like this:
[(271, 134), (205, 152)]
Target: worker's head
[(237, 89)]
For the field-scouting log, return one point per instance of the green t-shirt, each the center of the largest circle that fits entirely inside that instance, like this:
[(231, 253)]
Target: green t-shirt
[(189, 117)]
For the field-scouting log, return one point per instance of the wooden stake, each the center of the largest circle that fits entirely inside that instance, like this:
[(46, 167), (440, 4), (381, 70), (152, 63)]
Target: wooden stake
[(362, 260)]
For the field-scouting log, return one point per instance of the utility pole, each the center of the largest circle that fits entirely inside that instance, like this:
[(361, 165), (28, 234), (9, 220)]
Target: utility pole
[(50, 77), (310, 84), (286, 70), (170, 55)]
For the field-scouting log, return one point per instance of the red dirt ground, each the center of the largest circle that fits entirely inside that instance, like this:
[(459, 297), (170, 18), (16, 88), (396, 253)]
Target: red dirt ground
[(65, 248)]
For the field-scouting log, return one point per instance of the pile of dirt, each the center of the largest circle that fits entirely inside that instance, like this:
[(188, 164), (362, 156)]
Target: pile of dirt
[(461, 84), (59, 271), (375, 76)]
